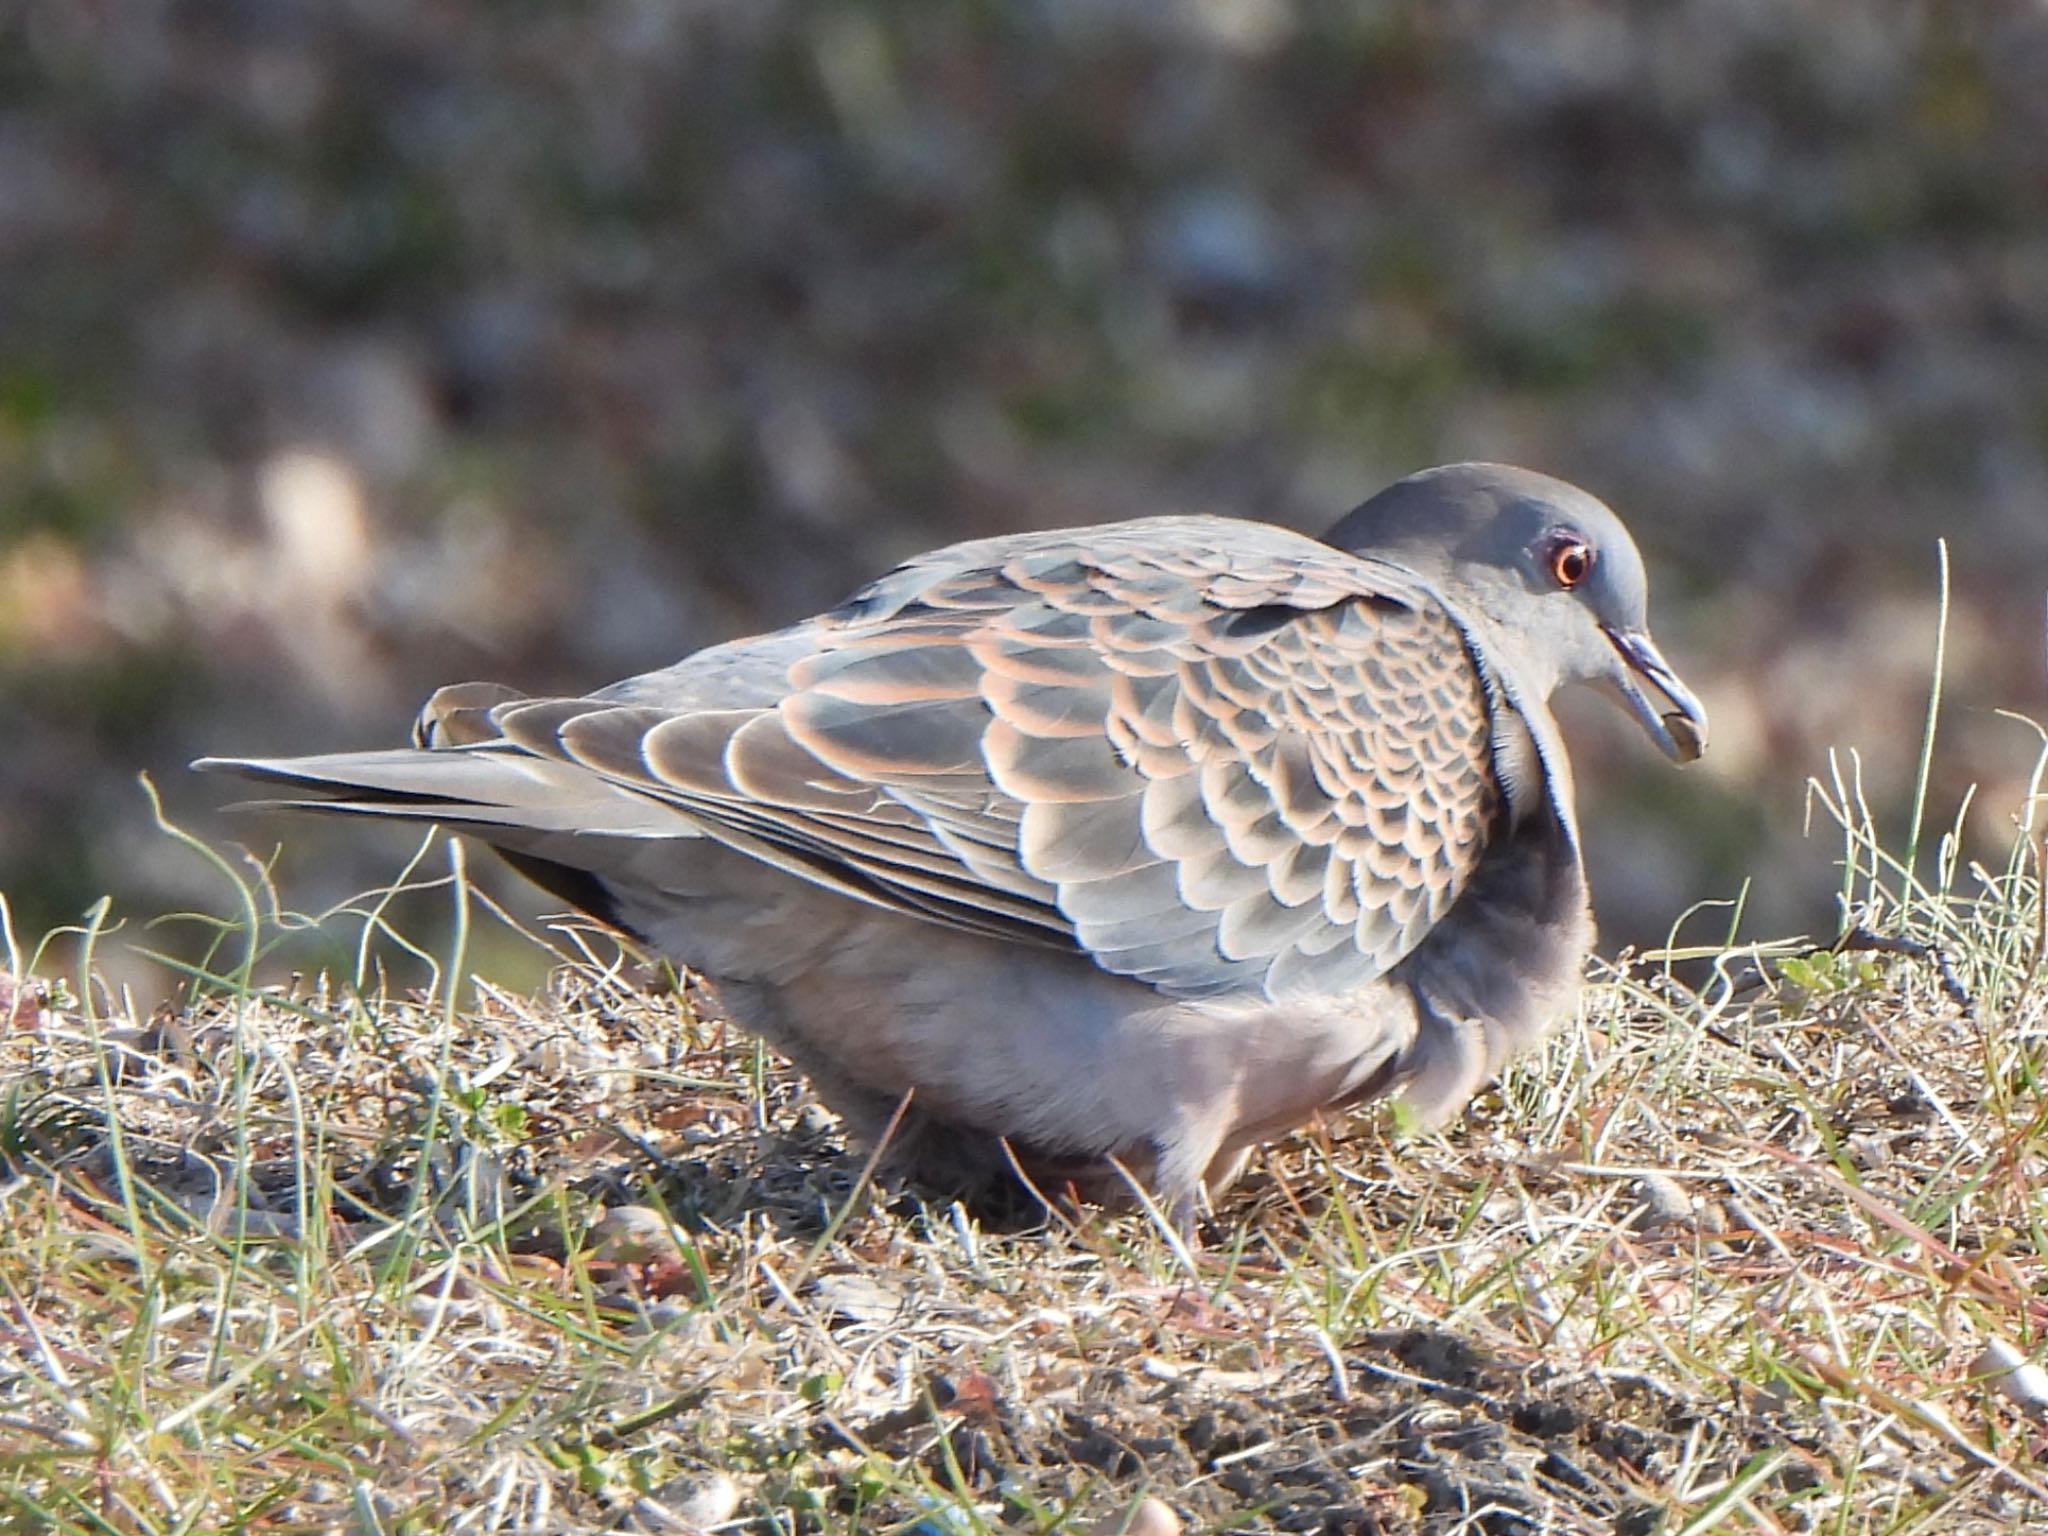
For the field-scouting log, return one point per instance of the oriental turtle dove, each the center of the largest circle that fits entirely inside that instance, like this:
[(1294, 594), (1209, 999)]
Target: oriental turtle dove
[(1114, 850)]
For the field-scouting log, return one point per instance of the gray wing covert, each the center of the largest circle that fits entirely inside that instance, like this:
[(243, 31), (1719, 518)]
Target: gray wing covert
[(1212, 762)]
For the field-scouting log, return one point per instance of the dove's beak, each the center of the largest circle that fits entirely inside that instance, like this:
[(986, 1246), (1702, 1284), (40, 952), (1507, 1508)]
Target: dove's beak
[(1665, 708)]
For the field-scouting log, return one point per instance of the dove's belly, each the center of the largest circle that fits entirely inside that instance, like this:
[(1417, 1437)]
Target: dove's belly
[(1036, 1045), (1041, 1047), (996, 1039)]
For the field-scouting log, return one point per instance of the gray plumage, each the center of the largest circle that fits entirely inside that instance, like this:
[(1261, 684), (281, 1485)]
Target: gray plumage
[(1141, 842)]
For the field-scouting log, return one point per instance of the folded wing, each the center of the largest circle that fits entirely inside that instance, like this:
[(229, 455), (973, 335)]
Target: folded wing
[(1211, 762)]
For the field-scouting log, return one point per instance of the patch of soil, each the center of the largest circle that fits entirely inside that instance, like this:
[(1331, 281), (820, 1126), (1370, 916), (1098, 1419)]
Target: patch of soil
[(1427, 1434)]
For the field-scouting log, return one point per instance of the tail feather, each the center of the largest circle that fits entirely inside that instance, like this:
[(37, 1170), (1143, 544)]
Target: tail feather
[(461, 787), (555, 821)]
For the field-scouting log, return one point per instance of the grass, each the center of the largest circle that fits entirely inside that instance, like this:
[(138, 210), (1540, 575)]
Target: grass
[(1753, 1245)]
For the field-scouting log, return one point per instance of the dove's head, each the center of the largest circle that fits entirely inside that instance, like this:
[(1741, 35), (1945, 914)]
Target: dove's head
[(1547, 571)]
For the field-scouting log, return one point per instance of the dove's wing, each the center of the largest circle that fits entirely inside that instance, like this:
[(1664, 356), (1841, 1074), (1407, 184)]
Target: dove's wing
[(1212, 757)]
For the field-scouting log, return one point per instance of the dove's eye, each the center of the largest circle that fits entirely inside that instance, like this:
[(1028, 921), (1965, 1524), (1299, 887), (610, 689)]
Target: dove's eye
[(1571, 561)]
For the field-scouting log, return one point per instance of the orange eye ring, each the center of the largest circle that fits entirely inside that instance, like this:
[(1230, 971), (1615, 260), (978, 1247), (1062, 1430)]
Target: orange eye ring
[(1571, 562)]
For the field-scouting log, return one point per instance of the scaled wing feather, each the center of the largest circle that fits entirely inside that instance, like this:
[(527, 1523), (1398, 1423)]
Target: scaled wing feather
[(1214, 765)]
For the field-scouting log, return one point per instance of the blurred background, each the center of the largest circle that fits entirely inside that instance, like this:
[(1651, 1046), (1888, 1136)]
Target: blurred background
[(349, 348)]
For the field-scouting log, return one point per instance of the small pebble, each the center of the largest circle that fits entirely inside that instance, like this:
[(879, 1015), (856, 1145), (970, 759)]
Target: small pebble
[(659, 1317), (647, 1515), (634, 1234), (1664, 1203), (699, 1501), (814, 1121), (436, 1309), (1151, 1517), (2013, 1375), (240, 1222), (861, 1299), (951, 1520)]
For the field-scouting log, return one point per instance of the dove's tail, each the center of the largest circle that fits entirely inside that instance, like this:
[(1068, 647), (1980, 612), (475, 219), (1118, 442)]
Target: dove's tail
[(548, 820), (496, 794)]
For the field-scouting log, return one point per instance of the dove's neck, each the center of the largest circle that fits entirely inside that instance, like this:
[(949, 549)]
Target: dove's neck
[(1528, 749)]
